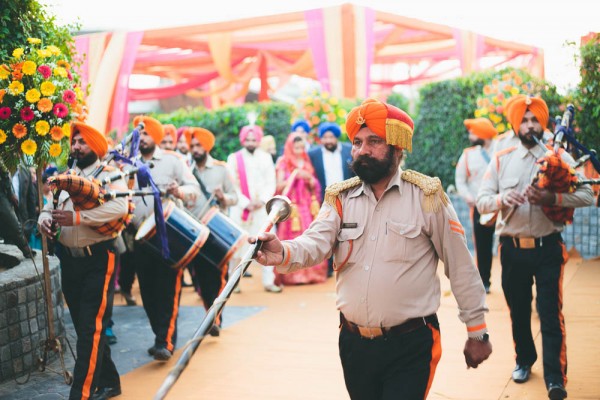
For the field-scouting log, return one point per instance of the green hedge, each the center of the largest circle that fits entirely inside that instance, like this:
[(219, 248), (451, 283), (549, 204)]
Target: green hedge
[(226, 122), (440, 135), (587, 117)]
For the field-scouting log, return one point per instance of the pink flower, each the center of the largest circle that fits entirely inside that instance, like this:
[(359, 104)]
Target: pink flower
[(27, 114), (69, 96), (45, 70), (60, 110), (5, 112)]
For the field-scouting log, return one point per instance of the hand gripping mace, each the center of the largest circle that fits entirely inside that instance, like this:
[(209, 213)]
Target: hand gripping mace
[(279, 209)]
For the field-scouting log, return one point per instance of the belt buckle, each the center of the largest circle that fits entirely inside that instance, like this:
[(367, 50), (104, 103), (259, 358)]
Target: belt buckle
[(527, 243), (370, 333)]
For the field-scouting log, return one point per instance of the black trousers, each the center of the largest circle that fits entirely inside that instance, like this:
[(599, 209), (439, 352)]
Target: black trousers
[(209, 282), (392, 367), (545, 266), (160, 287), (88, 288), (127, 271), (483, 238)]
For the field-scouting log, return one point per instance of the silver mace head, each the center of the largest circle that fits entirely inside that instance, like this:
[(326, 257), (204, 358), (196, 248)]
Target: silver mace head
[(282, 205)]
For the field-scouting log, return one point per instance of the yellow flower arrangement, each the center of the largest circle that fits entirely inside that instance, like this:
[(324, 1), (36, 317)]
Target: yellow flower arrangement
[(316, 108), (39, 94), (491, 103)]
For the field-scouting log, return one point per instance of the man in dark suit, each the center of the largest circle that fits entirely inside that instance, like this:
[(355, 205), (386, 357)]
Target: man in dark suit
[(331, 159), (26, 197)]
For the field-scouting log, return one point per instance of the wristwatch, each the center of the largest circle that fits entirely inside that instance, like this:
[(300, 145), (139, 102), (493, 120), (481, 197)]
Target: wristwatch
[(482, 338)]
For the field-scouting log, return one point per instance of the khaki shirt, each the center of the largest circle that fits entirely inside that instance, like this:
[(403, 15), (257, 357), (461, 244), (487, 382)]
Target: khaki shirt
[(469, 171), (515, 168), (390, 251), (81, 233), (214, 175), (168, 167)]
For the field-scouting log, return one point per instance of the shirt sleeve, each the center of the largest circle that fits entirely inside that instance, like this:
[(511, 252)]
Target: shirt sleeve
[(460, 178), (448, 238), (107, 212), (488, 198), (187, 182), (231, 197), (314, 245)]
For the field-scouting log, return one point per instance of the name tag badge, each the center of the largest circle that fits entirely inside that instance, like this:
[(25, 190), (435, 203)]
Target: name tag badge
[(349, 225)]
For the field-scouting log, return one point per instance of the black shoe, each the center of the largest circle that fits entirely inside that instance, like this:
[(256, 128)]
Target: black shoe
[(152, 350), (106, 393), (487, 289), (521, 373), (162, 354), (556, 391), (215, 331), (111, 338), (247, 274), (130, 300)]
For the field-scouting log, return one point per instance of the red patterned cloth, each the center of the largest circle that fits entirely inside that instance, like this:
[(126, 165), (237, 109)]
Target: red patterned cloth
[(557, 176)]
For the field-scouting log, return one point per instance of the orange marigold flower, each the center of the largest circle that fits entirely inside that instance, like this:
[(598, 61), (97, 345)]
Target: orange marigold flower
[(2, 93), (2, 136), (19, 130), (45, 105), (487, 90), (57, 133)]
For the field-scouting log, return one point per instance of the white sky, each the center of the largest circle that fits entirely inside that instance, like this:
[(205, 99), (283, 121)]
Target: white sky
[(547, 24)]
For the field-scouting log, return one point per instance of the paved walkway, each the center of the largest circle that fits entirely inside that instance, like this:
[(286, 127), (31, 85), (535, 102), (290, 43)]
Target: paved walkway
[(284, 346)]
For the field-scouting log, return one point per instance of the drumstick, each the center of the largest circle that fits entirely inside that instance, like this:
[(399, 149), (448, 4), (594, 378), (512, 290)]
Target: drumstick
[(279, 210)]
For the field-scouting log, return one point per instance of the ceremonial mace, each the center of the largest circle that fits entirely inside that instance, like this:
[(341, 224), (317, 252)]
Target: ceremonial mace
[(278, 208)]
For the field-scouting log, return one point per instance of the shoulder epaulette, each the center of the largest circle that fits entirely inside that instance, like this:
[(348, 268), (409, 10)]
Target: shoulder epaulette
[(174, 153), (333, 191), (506, 151), (434, 196), (219, 162)]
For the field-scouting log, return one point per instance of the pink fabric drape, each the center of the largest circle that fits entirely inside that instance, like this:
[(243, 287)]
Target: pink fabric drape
[(120, 112), (370, 44), (316, 42), (82, 47)]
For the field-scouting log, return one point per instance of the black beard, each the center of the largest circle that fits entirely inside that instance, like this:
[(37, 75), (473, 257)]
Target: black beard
[(85, 161), (528, 139), (478, 142), (147, 150), (330, 147), (251, 149), (371, 170), (200, 158)]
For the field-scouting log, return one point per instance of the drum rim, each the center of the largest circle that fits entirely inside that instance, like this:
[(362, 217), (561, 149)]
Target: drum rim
[(193, 250), (150, 219)]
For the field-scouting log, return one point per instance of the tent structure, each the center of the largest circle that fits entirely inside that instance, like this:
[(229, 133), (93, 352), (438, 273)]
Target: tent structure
[(352, 51)]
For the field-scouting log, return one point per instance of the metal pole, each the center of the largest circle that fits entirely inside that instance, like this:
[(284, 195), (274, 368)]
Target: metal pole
[(278, 208)]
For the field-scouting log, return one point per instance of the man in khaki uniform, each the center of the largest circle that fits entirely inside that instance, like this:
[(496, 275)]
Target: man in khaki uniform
[(531, 246), (469, 171), (88, 258), (160, 285), (388, 229), (216, 184)]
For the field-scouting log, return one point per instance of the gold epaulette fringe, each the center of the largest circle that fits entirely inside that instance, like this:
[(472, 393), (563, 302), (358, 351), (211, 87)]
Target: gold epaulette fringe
[(434, 196), (333, 191)]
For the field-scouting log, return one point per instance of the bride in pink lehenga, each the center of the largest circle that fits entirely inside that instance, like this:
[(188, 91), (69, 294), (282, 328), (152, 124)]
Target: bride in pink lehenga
[(296, 179)]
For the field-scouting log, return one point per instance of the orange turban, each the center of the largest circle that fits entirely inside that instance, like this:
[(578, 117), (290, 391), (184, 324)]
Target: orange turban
[(151, 126), (517, 106), (385, 120), (204, 136), (93, 138), (171, 131), (481, 127)]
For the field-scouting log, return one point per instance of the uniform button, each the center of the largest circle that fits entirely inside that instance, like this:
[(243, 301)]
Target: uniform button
[(377, 208), (367, 268), (373, 237)]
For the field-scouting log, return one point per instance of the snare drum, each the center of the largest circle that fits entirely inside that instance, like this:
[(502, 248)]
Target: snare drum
[(185, 235), (224, 240)]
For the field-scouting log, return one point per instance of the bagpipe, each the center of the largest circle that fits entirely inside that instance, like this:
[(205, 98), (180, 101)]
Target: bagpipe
[(555, 174)]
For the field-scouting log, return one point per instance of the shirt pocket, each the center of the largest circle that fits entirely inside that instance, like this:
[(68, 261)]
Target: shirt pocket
[(349, 242), (507, 184), (399, 238)]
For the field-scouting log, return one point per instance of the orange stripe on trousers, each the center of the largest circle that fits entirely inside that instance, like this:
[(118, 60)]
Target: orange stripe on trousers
[(436, 354), (87, 384), (561, 319), (175, 311)]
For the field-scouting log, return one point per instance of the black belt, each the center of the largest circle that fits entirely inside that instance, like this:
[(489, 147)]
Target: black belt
[(373, 333), (531, 243), (88, 251)]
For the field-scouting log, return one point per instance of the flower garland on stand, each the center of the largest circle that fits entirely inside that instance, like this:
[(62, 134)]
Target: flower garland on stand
[(39, 96)]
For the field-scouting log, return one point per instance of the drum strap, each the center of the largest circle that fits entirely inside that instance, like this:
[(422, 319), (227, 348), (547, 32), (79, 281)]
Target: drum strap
[(199, 179)]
